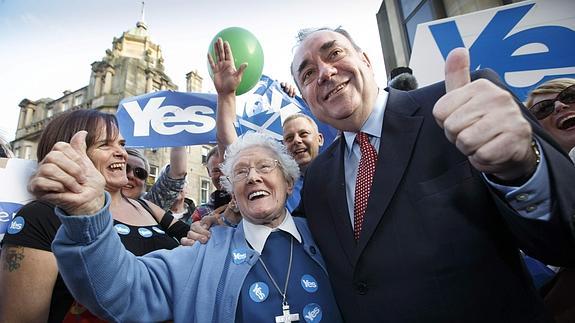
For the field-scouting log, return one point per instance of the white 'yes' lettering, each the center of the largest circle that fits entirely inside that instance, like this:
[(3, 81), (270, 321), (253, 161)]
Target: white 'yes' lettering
[(193, 119)]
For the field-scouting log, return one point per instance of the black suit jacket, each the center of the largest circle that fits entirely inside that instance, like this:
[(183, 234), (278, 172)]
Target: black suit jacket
[(438, 245)]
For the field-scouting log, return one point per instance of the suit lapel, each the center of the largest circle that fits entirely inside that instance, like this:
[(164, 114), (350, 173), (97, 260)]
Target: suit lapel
[(335, 188), (399, 134)]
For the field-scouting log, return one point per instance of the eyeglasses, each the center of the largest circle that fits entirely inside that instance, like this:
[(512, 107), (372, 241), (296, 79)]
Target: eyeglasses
[(139, 172), (264, 166), (543, 109)]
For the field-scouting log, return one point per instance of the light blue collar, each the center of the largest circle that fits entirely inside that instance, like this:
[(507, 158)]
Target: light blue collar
[(374, 122)]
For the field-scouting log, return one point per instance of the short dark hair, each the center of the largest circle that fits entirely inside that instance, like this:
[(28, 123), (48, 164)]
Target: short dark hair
[(65, 125), (211, 153)]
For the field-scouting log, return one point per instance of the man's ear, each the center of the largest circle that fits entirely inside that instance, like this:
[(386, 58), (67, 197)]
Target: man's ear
[(320, 136), (290, 187), (366, 59)]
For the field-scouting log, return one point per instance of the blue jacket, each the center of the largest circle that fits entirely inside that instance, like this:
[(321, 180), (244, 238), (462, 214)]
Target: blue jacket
[(186, 284)]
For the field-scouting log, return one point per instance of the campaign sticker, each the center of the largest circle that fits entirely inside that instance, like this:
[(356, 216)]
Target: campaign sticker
[(122, 229), (259, 292), (145, 232), (7, 213), (239, 256), (312, 313), (158, 230), (309, 283), (16, 225)]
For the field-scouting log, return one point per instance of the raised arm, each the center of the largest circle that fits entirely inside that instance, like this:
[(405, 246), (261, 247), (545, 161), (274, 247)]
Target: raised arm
[(178, 162), (226, 80), (170, 183)]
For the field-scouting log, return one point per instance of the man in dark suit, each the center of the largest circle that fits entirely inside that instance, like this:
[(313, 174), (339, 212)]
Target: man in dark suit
[(462, 181)]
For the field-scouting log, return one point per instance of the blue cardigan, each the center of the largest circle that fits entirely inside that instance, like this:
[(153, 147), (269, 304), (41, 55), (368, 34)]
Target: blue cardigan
[(200, 283)]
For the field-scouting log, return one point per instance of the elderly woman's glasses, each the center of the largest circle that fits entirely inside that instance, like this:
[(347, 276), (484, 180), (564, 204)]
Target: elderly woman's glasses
[(139, 172), (263, 166), (543, 109)]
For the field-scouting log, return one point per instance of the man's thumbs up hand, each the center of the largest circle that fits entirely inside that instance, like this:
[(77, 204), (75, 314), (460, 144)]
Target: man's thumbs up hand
[(457, 69), (67, 177), (484, 122)]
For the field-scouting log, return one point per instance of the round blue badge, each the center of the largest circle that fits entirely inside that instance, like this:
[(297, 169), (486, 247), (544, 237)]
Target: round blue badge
[(16, 225), (122, 229), (239, 256), (312, 313), (158, 230), (259, 292), (309, 283), (145, 232)]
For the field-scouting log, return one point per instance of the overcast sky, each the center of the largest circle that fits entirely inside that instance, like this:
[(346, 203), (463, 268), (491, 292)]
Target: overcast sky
[(47, 47)]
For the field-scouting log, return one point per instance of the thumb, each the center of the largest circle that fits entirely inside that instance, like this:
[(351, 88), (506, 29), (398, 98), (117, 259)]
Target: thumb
[(457, 69), (78, 142), (241, 70)]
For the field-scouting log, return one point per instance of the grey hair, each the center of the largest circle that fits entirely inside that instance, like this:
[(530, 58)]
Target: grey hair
[(287, 164), (138, 154), (303, 34), (304, 116)]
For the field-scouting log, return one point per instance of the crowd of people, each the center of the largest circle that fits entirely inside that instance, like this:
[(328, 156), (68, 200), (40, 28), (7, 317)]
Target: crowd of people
[(421, 210)]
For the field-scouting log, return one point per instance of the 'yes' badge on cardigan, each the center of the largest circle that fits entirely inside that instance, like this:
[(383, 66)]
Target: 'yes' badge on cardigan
[(259, 292), (309, 283), (239, 256), (312, 313)]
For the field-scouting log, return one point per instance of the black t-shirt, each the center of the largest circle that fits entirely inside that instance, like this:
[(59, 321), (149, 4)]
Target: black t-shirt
[(40, 224)]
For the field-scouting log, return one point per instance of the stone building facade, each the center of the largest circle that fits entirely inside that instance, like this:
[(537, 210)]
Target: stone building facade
[(133, 66)]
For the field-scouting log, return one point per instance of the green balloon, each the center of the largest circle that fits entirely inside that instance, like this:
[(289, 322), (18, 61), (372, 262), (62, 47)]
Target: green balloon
[(246, 49)]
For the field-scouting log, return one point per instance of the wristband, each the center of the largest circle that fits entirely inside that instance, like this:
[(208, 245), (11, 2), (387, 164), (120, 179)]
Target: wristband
[(166, 220)]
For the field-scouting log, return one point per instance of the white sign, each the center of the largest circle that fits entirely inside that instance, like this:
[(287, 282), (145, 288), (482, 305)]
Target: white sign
[(526, 43), (14, 175)]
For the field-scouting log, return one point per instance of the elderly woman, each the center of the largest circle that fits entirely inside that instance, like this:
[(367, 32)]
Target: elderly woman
[(31, 289), (267, 269)]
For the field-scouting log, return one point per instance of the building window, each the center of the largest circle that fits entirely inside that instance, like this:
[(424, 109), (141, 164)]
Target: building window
[(27, 152), (415, 12), (78, 99), (65, 105), (49, 112), (152, 176), (204, 190), (156, 86), (407, 6), (205, 151)]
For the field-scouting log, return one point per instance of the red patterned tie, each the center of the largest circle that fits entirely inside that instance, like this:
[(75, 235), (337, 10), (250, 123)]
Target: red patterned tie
[(363, 182)]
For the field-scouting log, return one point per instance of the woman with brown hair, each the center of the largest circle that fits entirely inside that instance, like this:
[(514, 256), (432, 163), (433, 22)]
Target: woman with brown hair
[(31, 289)]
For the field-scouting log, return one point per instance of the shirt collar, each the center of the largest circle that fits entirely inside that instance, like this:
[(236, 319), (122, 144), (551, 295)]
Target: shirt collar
[(374, 122), (257, 235)]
